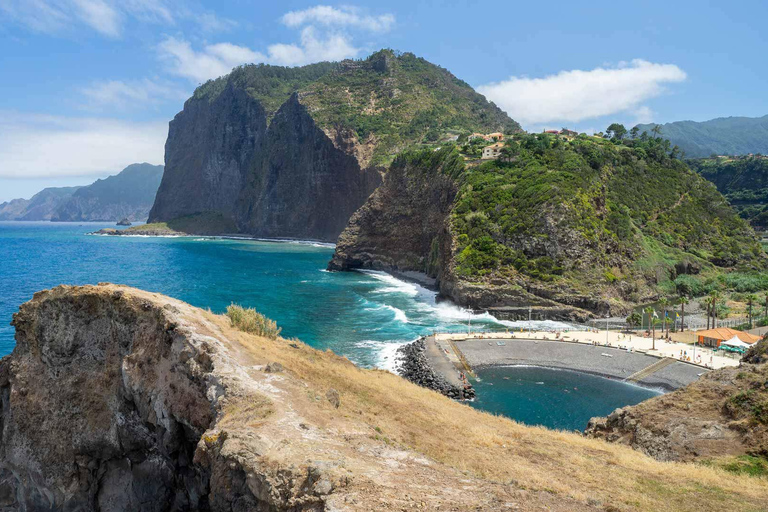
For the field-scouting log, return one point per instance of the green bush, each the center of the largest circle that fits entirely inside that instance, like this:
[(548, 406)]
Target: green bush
[(251, 321)]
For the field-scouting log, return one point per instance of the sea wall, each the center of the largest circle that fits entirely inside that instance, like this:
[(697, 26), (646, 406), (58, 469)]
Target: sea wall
[(417, 368)]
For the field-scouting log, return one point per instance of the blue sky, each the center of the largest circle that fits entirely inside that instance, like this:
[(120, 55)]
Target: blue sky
[(88, 86)]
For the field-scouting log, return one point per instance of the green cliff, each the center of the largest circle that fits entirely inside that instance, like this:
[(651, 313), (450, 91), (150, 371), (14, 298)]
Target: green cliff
[(293, 152), (576, 227)]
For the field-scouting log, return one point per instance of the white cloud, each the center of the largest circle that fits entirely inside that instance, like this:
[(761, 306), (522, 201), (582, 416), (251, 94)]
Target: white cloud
[(213, 61), (107, 17), (99, 15), (573, 96), (313, 48), (345, 16), (210, 22), (33, 146), (216, 60), (120, 95)]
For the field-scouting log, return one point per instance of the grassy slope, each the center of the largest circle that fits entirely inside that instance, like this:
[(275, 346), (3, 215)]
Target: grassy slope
[(492, 448), (590, 214), (743, 181), (399, 100)]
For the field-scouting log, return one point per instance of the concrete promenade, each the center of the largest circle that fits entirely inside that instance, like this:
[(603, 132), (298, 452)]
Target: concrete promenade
[(701, 356), (608, 362)]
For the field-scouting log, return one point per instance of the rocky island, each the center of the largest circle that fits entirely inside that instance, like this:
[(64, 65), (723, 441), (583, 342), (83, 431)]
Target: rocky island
[(118, 399)]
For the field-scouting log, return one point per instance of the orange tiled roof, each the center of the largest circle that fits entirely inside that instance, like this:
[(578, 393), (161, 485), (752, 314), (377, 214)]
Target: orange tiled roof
[(726, 333)]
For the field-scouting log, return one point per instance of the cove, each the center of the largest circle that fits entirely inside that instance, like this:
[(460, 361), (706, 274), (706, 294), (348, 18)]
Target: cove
[(553, 398)]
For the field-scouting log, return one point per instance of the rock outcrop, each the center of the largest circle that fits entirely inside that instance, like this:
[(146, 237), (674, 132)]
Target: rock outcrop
[(403, 224), (122, 400), (723, 414), (294, 152)]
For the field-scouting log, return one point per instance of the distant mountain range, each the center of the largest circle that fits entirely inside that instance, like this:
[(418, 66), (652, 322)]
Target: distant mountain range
[(721, 136), (129, 194)]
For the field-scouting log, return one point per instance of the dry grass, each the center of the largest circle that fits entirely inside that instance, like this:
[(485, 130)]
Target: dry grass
[(251, 321), (497, 448)]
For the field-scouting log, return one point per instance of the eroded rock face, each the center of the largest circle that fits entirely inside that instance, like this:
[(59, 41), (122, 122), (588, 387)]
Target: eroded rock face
[(400, 227), (286, 180), (106, 401), (718, 415), (302, 185)]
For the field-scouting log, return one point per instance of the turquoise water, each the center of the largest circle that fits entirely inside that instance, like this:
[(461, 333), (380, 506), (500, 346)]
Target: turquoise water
[(558, 399), (364, 316)]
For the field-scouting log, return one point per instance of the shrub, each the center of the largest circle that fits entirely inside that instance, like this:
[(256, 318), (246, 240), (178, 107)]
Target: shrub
[(250, 320)]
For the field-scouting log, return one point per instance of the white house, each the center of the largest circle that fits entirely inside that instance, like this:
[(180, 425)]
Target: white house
[(492, 151)]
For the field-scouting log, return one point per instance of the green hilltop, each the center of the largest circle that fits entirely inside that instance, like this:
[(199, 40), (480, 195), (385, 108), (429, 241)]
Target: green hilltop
[(389, 100), (622, 221)]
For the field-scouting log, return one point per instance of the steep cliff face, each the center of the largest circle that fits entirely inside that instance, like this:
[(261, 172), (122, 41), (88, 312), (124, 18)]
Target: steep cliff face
[(719, 418), (333, 128), (127, 195), (211, 146), (401, 226), (303, 186), (571, 227), (122, 400)]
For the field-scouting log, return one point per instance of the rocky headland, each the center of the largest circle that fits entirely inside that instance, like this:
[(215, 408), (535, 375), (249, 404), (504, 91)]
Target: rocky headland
[(294, 152), (558, 225), (118, 399), (718, 419)]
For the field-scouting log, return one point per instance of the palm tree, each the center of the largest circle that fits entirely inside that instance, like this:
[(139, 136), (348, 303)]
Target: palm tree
[(682, 300), (649, 311), (664, 302), (656, 130), (765, 305), (715, 295), (751, 299), (708, 303)]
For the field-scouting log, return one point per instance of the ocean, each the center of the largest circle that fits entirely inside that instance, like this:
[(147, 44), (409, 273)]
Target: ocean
[(364, 316)]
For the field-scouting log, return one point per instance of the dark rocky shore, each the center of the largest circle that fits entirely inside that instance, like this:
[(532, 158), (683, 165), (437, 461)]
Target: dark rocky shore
[(416, 368)]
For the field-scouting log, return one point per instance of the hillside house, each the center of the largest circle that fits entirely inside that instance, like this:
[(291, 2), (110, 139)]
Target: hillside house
[(492, 151)]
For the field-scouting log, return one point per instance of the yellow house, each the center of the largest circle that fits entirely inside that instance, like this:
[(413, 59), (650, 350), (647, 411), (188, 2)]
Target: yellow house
[(492, 151)]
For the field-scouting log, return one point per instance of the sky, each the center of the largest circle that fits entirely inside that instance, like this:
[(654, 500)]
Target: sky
[(88, 87)]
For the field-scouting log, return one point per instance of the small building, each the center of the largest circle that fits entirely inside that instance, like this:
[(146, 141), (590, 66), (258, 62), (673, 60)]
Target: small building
[(569, 133), (714, 337), (492, 151), (497, 136), (552, 132), (477, 136)]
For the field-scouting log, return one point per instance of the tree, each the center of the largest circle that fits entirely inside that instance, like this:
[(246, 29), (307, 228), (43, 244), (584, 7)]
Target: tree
[(664, 302), (656, 130), (751, 299), (682, 300), (715, 295), (651, 325), (616, 131), (708, 303), (634, 319), (765, 305), (634, 132)]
